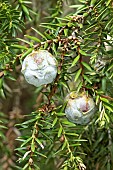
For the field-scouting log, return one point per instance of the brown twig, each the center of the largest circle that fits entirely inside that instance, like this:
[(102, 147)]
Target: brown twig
[(54, 87), (107, 97), (81, 65)]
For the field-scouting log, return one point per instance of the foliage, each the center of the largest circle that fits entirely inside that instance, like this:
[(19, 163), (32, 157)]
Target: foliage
[(80, 43)]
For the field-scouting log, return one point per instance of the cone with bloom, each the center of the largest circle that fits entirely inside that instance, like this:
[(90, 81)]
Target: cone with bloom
[(80, 108), (39, 68)]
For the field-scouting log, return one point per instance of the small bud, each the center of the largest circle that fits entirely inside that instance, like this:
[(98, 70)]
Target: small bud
[(62, 139), (30, 161), (39, 68), (80, 108)]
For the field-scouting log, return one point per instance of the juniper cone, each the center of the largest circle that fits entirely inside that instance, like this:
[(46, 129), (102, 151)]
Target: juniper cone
[(39, 68), (80, 108)]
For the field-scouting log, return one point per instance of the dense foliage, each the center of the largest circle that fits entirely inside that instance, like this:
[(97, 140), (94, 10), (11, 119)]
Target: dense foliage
[(34, 131)]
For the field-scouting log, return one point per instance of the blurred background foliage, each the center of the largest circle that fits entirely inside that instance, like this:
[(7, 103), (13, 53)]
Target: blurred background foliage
[(34, 132)]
